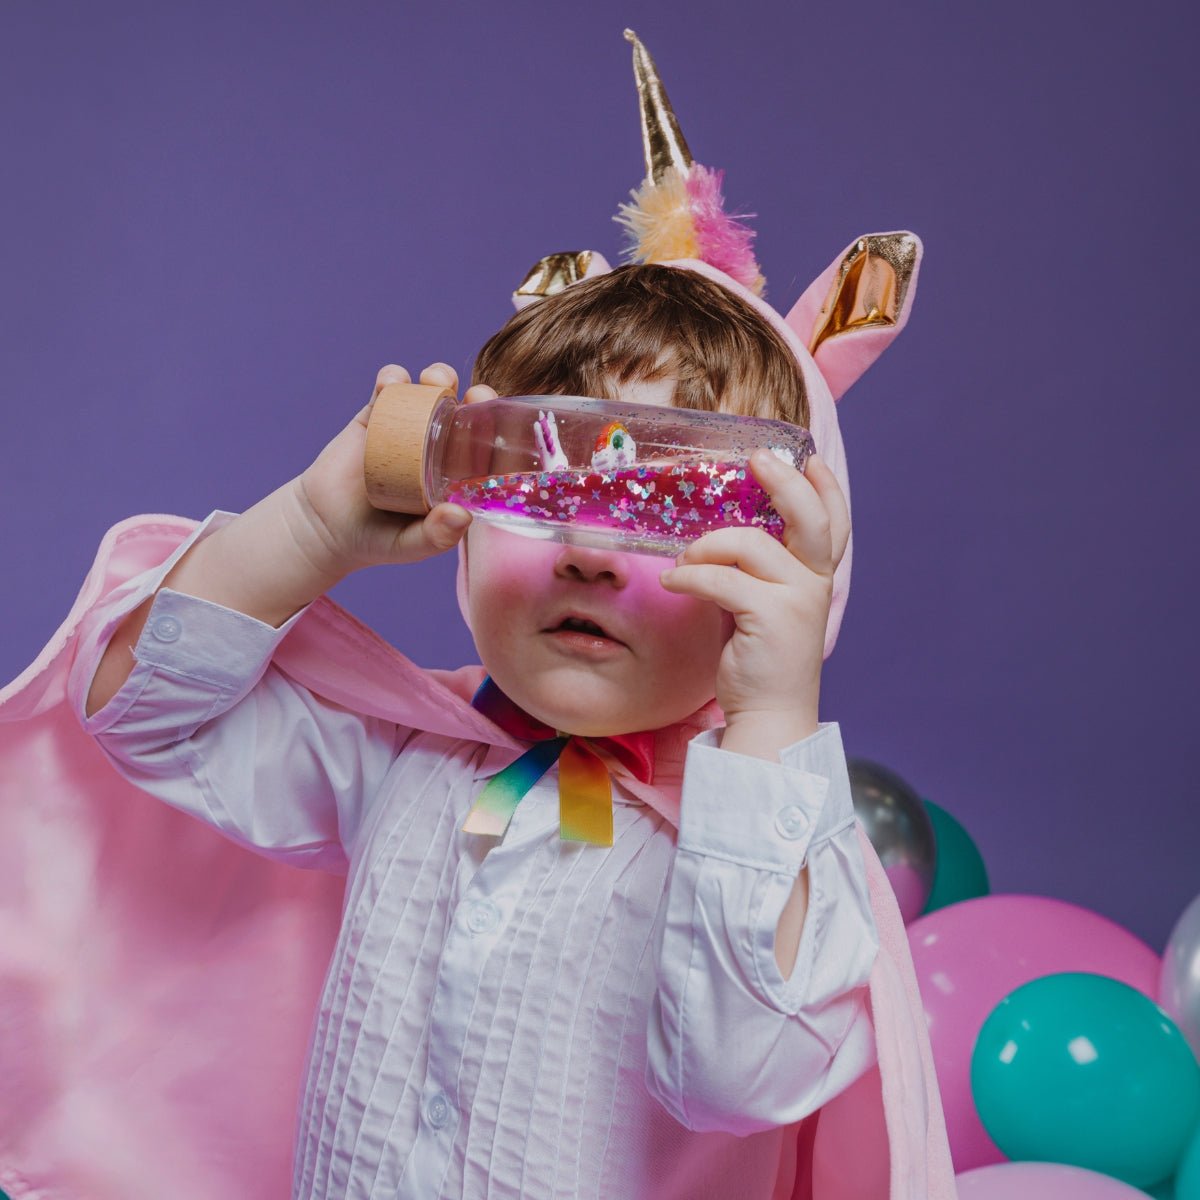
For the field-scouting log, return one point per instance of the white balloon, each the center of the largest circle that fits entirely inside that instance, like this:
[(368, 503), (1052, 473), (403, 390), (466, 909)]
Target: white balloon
[(1179, 976)]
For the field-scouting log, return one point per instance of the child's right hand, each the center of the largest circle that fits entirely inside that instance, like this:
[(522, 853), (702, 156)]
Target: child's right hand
[(333, 495)]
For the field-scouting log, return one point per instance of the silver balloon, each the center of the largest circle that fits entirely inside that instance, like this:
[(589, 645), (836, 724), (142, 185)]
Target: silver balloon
[(1179, 975), (895, 819)]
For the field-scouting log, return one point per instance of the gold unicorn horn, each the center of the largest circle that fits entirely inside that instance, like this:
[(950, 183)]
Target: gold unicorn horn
[(662, 140)]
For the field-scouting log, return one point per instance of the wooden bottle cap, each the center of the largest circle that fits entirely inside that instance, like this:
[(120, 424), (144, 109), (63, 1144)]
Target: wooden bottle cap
[(394, 459)]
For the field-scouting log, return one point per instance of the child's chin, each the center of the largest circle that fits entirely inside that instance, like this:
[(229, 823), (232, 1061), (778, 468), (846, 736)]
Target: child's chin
[(599, 710), (596, 724)]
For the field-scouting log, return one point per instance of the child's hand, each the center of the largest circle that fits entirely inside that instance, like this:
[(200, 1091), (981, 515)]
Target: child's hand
[(333, 496), (779, 595)]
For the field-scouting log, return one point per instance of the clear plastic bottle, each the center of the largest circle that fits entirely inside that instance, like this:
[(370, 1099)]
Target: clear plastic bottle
[(635, 477)]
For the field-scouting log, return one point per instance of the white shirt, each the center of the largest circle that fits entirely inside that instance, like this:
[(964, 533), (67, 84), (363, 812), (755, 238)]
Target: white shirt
[(519, 1017)]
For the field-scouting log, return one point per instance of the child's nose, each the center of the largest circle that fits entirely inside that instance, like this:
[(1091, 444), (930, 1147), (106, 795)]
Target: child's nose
[(586, 564)]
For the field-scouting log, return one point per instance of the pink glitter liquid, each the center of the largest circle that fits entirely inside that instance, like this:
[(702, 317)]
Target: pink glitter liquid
[(653, 508)]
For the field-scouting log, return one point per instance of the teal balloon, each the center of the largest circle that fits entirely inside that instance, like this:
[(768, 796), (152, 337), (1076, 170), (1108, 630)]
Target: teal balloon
[(1187, 1177), (1082, 1069), (958, 870)]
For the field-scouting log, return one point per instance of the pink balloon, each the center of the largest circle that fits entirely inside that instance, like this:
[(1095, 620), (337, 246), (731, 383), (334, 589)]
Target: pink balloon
[(1041, 1181), (970, 955), (911, 888)]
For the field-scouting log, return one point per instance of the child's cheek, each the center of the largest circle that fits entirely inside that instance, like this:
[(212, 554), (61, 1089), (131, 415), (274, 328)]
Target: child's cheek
[(693, 629), (503, 561)]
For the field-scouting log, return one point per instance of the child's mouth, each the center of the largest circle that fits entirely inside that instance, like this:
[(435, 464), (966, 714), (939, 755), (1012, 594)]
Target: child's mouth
[(580, 625), (581, 635)]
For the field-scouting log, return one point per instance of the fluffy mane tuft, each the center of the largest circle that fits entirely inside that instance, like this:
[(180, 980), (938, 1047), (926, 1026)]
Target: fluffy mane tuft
[(682, 215)]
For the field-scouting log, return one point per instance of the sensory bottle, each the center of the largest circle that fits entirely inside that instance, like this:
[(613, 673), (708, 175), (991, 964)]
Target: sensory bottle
[(639, 477)]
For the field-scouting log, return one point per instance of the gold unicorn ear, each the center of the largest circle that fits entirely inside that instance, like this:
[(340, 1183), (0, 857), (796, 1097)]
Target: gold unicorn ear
[(869, 286), (557, 271)]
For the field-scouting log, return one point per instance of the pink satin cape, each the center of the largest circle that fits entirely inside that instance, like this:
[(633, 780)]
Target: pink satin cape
[(158, 983)]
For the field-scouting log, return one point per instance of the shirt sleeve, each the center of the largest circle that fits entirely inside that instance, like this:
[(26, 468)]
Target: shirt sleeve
[(206, 723), (733, 1045)]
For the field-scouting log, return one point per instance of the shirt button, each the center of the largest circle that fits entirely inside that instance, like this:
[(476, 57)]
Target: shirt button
[(482, 917), (437, 1110), (165, 629), (791, 822)]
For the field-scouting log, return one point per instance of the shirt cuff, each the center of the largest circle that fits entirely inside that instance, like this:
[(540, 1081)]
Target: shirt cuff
[(207, 641), (760, 813), (822, 753)]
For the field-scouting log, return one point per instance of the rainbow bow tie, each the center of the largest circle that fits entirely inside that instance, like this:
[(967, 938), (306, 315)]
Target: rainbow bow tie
[(585, 812)]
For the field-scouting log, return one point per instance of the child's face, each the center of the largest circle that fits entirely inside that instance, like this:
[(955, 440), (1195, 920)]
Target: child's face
[(658, 663)]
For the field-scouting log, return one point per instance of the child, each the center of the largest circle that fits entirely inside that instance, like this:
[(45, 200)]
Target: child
[(493, 1054), (526, 1015)]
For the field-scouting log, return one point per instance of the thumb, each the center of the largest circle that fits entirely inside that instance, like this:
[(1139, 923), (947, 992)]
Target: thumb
[(443, 528)]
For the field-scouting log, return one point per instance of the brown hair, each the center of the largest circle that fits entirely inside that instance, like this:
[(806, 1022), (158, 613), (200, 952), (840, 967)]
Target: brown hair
[(648, 322)]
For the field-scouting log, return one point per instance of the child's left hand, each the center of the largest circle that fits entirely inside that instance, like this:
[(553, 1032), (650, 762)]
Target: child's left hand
[(778, 594)]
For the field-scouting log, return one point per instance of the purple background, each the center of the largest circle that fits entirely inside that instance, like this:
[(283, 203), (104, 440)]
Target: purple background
[(219, 221)]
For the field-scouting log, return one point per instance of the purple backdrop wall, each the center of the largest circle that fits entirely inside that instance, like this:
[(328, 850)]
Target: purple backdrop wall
[(219, 221)]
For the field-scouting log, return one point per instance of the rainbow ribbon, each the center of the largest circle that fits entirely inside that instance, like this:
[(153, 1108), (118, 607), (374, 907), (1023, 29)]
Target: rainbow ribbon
[(585, 812)]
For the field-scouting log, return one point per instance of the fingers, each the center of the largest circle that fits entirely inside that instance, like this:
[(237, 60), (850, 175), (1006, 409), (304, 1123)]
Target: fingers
[(821, 476), (438, 374), (734, 568), (390, 374), (479, 391), (744, 569), (753, 551), (812, 505), (441, 374), (826, 483), (734, 591)]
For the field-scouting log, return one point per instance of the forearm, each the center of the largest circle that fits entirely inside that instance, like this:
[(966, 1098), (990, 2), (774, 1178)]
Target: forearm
[(201, 723), (268, 564)]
